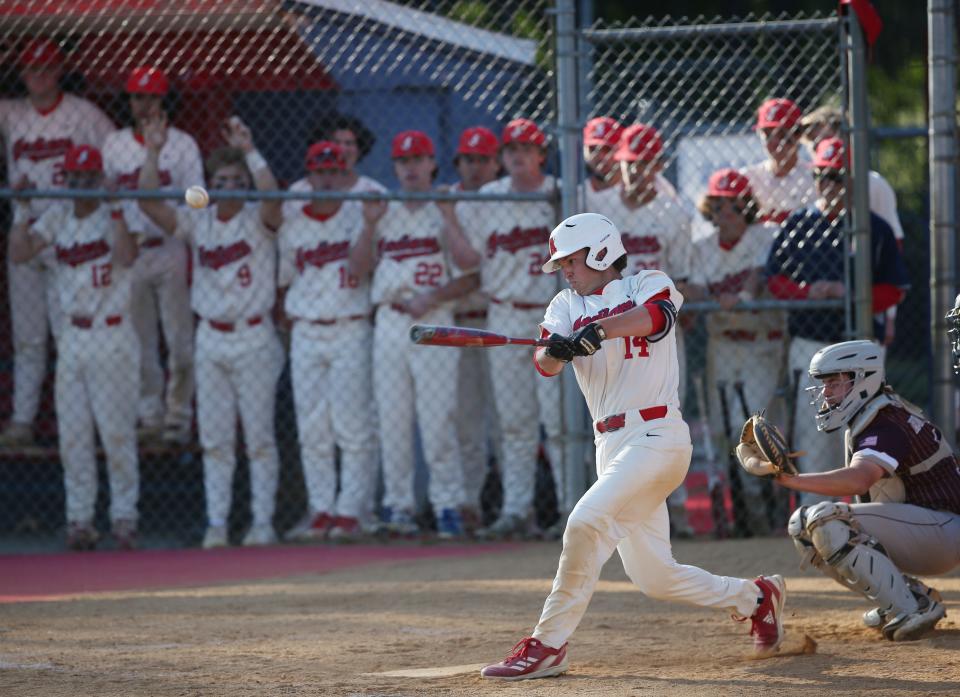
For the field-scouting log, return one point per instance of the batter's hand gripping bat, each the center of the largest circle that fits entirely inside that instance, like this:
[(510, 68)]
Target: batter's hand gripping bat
[(465, 337)]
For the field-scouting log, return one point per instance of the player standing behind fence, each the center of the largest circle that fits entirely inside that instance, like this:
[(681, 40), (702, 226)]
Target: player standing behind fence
[(643, 448), (160, 274), (827, 122), (98, 355), (330, 353), (656, 232), (477, 164), (38, 131), (402, 244), (238, 355), (807, 262), (744, 347), (782, 183), (356, 140), (505, 240)]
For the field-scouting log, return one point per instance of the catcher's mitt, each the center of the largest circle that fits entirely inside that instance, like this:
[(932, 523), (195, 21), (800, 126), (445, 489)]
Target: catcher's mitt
[(763, 451)]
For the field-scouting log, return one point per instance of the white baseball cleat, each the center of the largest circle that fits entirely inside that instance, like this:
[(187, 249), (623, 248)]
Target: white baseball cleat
[(529, 659), (216, 536), (259, 536)]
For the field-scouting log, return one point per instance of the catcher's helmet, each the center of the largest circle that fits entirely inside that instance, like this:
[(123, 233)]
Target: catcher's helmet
[(586, 231), (953, 331), (864, 359)]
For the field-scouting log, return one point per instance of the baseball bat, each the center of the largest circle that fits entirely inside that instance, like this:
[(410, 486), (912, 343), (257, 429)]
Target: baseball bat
[(465, 337), (740, 527), (718, 511)]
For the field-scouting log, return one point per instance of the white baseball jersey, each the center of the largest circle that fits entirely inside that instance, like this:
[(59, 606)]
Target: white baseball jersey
[(411, 257), (180, 166), (88, 283), (364, 184), (778, 196), (314, 254), (626, 373), (234, 263), (599, 201), (656, 235), (512, 237), (883, 202), (725, 270), (38, 140)]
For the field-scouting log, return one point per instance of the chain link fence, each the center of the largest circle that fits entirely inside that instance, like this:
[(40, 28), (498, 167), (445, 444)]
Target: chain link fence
[(246, 367)]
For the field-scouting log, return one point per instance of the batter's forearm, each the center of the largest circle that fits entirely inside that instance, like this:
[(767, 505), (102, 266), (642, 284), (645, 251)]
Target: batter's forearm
[(548, 364), (635, 322)]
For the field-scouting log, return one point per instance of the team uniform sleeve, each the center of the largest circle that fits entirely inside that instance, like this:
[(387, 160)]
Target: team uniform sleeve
[(881, 446), (556, 319), (187, 219), (286, 257), (45, 227), (883, 202)]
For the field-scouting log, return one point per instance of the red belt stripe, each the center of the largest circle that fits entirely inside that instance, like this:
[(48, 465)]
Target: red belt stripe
[(618, 421), (231, 326)]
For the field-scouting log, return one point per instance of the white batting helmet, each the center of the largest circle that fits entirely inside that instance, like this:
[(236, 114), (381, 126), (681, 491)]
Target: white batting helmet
[(864, 359), (585, 231)]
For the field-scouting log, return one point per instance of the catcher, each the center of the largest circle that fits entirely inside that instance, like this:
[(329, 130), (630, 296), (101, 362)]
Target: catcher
[(906, 479)]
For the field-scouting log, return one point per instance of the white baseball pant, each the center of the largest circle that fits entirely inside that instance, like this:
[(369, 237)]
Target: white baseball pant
[(824, 450), (160, 283), (238, 371), (625, 510), (416, 384), (475, 417), (34, 311), (97, 385), (332, 392), (524, 400)]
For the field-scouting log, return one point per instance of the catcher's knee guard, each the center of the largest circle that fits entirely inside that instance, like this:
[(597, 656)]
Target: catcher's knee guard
[(828, 537)]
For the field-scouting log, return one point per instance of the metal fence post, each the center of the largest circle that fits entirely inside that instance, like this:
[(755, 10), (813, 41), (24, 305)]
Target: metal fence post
[(942, 125), (859, 177), (568, 137)]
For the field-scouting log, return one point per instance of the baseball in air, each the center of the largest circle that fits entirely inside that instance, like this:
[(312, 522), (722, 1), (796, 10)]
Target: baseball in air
[(197, 197)]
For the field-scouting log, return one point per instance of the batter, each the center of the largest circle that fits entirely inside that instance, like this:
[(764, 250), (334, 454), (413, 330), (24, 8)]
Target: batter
[(643, 448)]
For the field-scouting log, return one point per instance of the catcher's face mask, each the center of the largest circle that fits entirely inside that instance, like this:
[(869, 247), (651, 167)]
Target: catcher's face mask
[(953, 331), (829, 399)]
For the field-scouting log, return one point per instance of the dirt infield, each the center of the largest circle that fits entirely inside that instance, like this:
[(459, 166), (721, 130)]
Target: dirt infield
[(423, 627)]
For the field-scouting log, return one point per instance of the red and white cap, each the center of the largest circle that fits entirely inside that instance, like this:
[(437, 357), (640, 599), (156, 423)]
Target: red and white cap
[(778, 113), (412, 144), (590, 231), (639, 142), (602, 130), (478, 140), (147, 80), (325, 155), (83, 158), (523, 131), (830, 154), (40, 52), (728, 183)]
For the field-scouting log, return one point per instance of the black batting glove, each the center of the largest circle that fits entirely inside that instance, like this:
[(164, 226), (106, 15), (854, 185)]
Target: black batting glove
[(586, 342), (560, 348)]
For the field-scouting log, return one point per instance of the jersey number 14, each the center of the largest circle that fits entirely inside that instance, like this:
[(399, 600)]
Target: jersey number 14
[(635, 346)]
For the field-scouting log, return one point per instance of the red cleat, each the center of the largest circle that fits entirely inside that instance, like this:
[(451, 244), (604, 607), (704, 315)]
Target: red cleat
[(767, 621), (529, 659)]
